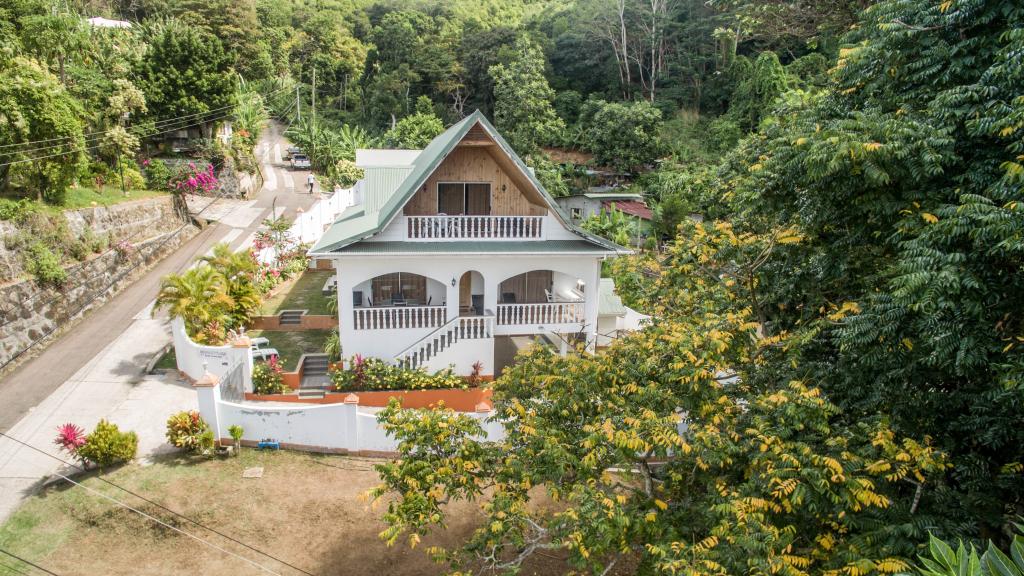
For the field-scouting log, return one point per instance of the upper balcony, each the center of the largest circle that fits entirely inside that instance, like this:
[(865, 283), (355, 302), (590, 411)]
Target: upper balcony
[(441, 228)]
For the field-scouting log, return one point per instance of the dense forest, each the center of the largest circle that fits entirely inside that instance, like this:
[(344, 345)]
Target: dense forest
[(836, 266)]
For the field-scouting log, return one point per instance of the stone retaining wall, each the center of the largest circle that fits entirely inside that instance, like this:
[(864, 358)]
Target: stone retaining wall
[(29, 312)]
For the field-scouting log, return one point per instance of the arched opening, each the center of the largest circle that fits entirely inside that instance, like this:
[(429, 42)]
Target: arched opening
[(398, 289), (540, 298), (533, 287), (471, 294)]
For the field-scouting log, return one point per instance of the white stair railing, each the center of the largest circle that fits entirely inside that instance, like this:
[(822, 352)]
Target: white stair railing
[(541, 314), (461, 328), (440, 228)]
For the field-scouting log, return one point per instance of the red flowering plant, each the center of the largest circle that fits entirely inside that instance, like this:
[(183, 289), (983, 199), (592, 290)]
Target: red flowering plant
[(71, 437), (191, 180)]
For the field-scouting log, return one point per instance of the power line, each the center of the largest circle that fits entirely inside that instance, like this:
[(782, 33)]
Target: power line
[(158, 505), (22, 560), (12, 569), (100, 133)]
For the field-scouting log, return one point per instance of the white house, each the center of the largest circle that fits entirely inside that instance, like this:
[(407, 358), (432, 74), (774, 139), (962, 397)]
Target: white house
[(450, 249)]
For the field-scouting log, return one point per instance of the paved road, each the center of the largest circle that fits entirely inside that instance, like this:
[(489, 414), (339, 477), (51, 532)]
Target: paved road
[(95, 370)]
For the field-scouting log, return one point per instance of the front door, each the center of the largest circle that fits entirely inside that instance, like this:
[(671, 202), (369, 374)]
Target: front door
[(466, 293)]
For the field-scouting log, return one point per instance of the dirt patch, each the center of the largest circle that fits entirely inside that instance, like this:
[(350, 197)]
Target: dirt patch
[(567, 156), (308, 510)]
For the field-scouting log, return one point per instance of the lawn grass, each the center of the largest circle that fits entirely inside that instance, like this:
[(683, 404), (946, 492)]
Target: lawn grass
[(310, 510), (168, 361), (83, 196), (303, 292), (292, 345)]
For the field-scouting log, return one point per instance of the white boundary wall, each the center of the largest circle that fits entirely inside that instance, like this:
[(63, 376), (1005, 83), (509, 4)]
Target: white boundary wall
[(194, 360), (309, 226), (317, 427)]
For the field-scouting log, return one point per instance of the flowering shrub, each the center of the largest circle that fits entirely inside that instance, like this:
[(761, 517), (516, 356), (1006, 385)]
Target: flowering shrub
[(124, 249), (71, 437), (370, 374), (187, 430), (268, 378), (158, 174), (192, 180), (107, 445)]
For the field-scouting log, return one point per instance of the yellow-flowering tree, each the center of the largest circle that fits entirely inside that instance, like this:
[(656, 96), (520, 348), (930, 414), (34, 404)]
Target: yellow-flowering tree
[(659, 453)]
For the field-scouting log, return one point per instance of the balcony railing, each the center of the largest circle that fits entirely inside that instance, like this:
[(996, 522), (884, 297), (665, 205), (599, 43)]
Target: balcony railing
[(541, 314), (447, 228), (399, 317)]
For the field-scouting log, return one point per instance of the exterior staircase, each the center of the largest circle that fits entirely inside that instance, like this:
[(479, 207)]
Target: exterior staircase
[(290, 317), (447, 337), (315, 382)]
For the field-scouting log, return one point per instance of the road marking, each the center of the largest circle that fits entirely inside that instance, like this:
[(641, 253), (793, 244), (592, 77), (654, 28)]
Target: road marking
[(270, 177)]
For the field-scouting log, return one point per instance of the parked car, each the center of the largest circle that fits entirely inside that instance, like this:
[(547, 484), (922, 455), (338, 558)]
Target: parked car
[(291, 151), (300, 162)]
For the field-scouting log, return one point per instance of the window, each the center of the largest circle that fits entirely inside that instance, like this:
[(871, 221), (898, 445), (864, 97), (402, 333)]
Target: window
[(576, 213), (458, 198)]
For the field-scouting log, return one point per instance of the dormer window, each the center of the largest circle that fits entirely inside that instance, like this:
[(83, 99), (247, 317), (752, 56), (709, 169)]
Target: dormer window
[(464, 198)]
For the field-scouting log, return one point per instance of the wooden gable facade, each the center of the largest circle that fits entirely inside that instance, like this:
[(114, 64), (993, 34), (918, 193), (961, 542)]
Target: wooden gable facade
[(478, 160)]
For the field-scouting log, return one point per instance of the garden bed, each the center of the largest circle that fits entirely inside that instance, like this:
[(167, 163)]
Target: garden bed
[(460, 400), (304, 292)]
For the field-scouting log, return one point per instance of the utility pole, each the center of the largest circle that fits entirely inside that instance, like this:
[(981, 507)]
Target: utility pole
[(298, 106), (314, 95)]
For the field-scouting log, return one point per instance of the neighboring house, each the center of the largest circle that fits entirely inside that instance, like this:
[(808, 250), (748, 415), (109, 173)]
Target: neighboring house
[(614, 318), (580, 207), (453, 247)]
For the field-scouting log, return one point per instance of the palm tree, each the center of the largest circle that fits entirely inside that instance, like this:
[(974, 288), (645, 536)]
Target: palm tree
[(199, 296), (237, 269)]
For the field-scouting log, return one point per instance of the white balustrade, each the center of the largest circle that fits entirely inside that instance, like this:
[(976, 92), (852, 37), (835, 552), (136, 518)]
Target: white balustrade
[(399, 317), (461, 328), (447, 228), (541, 314)]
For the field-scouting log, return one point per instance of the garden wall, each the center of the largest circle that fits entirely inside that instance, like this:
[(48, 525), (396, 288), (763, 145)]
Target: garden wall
[(461, 400), (29, 312), (341, 428), (195, 360), (308, 322), (309, 226)]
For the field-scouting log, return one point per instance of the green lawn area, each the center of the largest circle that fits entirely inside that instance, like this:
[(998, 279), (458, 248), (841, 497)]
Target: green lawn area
[(301, 293), (167, 361), (292, 345), (83, 197), (307, 509)]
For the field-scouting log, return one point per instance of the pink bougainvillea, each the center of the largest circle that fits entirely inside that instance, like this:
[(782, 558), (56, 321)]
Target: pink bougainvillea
[(192, 180)]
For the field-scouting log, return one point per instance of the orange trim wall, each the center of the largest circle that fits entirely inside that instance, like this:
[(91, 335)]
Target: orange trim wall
[(458, 400)]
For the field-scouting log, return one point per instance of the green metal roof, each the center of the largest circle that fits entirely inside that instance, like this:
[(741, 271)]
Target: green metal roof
[(478, 247), (387, 190)]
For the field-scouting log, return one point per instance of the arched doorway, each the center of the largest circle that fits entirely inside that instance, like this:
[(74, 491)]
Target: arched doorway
[(471, 294)]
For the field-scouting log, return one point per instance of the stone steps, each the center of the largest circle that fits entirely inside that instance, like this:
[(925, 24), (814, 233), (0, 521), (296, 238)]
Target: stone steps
[(290, 317)]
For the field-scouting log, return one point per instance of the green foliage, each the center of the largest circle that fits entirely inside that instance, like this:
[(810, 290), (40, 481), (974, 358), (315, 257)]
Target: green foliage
[(267, 378), (660, 432), (185, 72), (185, 430), (44, 266), (107, 445), (414, 131), (623, 136), (614, 225), (236, 432), (965, 561), (237, 269), (332, 347), (37, 107), (158, 174), (549, 174), (372, 374), (523, 110), (345, 174), (200, 297), (757, 91)]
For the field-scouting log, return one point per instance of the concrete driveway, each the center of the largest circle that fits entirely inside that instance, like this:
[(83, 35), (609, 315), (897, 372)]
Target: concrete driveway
[(96, 369)]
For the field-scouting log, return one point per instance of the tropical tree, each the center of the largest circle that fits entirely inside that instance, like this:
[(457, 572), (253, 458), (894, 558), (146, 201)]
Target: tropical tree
[(523, 109), (237, 270), (658, 454), (36, 107), (185, 72), (416, 130), (624, 136), (200, 297), (612, 224)]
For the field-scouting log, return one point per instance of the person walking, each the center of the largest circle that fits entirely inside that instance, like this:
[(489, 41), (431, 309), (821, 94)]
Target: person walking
[(310, 181)]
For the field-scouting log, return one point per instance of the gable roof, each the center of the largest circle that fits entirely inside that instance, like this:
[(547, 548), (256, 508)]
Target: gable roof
[(387, 189)]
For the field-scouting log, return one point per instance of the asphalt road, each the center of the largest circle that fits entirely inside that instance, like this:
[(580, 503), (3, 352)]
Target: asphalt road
[(35, 379)]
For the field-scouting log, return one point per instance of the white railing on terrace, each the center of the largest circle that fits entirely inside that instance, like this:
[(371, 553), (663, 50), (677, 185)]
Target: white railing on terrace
[(541, 314), (460, 328), (441, 228), (399, 317)]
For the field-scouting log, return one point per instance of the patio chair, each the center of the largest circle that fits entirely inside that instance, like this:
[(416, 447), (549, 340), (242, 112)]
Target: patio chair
[(548, 296), (508, 297), (357, 298), (398, 299)]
